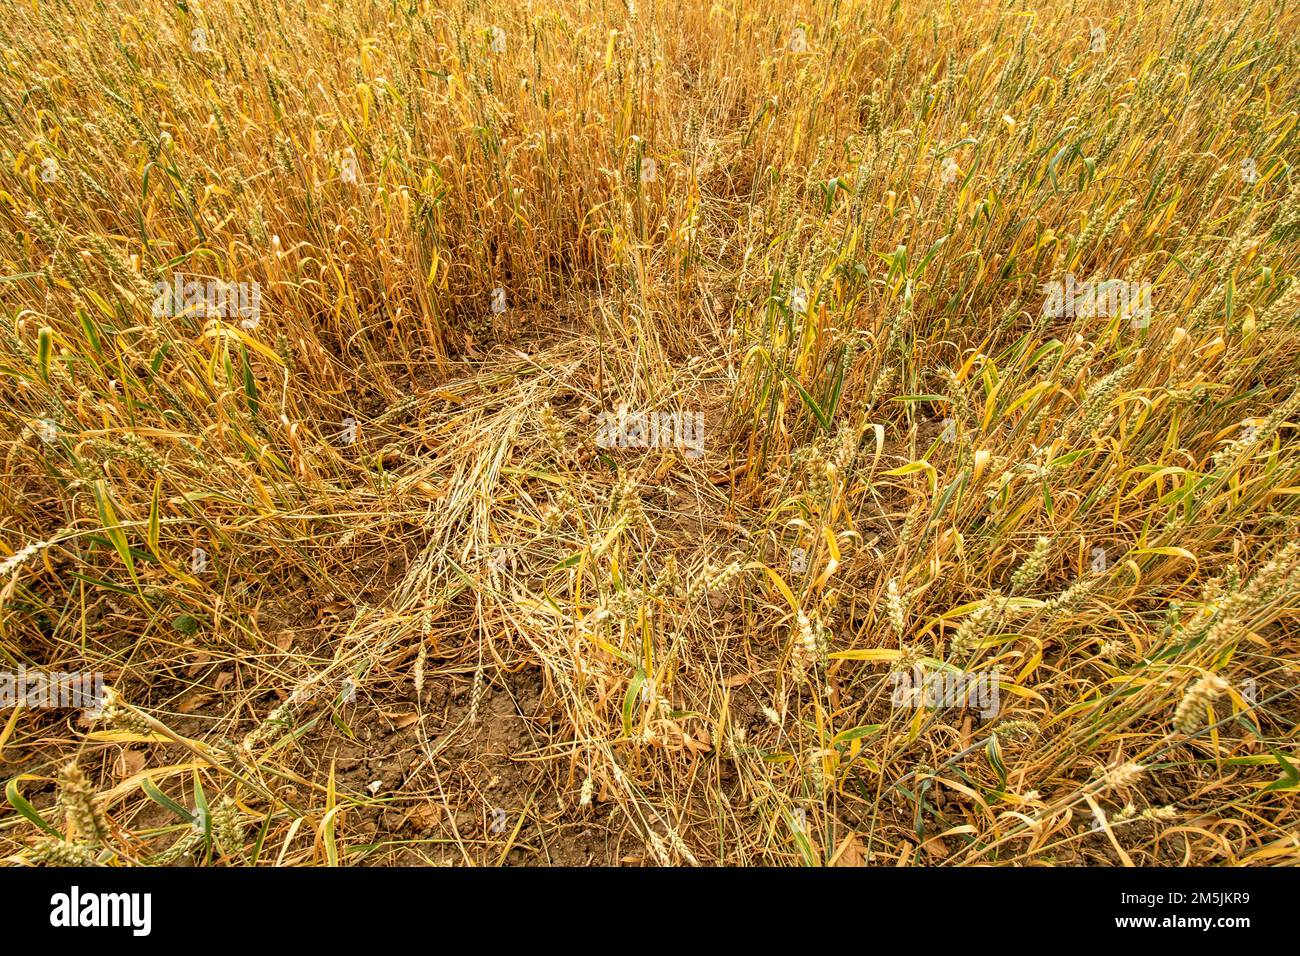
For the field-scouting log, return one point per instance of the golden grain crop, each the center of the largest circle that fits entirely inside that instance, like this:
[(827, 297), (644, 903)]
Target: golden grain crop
[(742, 433)]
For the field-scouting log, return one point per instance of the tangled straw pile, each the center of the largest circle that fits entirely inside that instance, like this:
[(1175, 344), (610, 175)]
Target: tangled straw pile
[(315, 319)]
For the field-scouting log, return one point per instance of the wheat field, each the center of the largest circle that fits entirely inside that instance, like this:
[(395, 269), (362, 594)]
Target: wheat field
[(571, 433)]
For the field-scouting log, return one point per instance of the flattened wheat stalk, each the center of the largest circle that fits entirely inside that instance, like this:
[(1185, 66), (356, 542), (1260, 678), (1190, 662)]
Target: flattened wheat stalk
[(16, 560)]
